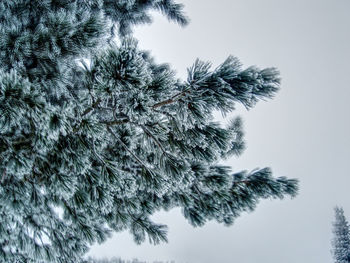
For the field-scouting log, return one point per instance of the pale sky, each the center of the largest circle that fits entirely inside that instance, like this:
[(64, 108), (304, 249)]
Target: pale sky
[(302, 133)]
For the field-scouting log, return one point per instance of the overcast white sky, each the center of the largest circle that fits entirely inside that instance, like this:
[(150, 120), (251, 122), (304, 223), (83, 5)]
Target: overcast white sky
[(303, 133)]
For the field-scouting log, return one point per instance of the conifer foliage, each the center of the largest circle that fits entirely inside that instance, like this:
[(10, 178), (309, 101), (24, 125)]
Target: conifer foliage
[(95, 136), (341, 240)]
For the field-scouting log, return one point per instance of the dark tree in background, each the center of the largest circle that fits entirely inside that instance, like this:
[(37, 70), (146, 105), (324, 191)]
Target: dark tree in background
[(341, 240), (95, 136)]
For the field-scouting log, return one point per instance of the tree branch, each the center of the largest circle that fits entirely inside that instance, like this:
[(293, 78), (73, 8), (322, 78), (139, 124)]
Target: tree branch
[(87, 111), (96, 154), (115, 122), (172, 99), (3, 176), (126, 147), (94, 105), (149, 133)]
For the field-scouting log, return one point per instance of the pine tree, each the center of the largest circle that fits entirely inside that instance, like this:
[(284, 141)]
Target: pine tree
[(341, 241), (95, 136)]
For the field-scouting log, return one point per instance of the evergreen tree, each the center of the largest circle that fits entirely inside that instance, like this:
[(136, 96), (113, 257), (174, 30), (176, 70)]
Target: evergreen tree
[(341, 241), (95, 136)]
